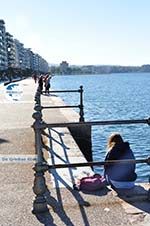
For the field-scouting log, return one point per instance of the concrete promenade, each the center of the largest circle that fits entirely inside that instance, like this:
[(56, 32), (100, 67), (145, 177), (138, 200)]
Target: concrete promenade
[(66, 206)]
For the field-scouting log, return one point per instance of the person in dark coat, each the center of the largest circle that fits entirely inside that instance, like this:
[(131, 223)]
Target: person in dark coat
[(119, 175), (40, 82), (47, 83)]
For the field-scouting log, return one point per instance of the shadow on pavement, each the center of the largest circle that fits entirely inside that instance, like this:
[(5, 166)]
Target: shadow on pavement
[(57, 204), (3, 141), (137, 197), (46, 219), (101, 192)]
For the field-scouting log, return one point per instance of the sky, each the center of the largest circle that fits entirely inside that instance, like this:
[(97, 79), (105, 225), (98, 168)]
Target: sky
[(82, 32)]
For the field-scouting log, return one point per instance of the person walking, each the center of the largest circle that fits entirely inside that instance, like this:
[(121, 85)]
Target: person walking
[(47, 83), (119, 175), (34, 76)]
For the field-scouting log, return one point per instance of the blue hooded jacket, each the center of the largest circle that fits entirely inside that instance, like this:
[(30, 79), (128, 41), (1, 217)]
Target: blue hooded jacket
[(120, 171)]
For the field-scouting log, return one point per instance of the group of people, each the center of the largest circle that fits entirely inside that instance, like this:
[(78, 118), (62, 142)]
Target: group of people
[(44, 80), (119, 174)]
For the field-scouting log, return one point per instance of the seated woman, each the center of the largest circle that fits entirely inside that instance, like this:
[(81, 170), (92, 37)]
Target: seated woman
[(119, 175)]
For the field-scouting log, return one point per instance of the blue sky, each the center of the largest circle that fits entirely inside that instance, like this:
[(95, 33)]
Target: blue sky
[(115, 32)]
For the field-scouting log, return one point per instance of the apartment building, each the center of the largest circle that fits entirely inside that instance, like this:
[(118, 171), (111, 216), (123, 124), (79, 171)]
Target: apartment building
[(35, 62), (13, 54), (3, 47), (27, 58), (43, 65), (20, 54)]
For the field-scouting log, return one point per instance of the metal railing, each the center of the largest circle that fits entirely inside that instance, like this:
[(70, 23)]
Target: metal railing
[(102, 163), (80, 106), (42, 125), (39, 188)]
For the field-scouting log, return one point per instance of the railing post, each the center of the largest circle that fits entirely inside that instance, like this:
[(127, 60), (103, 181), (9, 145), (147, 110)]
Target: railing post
[(81, 119), (39, 187), (149, 190)]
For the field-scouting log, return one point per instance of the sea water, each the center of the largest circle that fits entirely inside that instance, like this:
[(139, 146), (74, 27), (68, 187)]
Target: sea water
[(113, 97)]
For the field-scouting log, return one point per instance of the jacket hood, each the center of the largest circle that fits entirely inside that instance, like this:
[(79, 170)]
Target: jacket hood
[(123, 146)]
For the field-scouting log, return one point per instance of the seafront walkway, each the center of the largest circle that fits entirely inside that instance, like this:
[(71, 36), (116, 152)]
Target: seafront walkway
[(66, 205)]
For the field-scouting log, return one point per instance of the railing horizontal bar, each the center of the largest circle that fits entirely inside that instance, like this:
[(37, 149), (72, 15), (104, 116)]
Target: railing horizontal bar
[(67, 106), (63, 91), (96, 123), (99, 163)]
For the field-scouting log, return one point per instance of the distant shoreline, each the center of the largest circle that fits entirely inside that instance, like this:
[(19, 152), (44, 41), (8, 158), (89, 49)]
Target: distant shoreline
[(101, 73), (103, 69)]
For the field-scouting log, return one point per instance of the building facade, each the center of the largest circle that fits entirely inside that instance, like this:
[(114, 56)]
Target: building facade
[(64, 67), (13, 54), (3, 47), (10, 46)]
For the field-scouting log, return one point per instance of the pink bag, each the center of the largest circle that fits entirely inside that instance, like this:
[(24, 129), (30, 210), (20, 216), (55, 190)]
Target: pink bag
[(92, 183)]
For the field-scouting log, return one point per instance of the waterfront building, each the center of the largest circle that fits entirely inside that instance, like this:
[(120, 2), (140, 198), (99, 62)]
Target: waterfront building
[(27, 58), (38, 64), (87, 69), (35, 62), (3, 47), (64, 67), (11, 55), (43, 65), (19, 50)]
